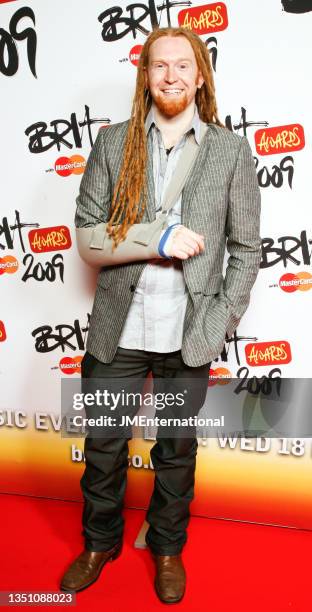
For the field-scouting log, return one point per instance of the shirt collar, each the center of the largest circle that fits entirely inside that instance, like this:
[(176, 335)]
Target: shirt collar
[(195, 124)]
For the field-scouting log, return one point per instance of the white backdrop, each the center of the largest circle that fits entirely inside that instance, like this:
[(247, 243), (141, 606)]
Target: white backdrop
[(263, 63)]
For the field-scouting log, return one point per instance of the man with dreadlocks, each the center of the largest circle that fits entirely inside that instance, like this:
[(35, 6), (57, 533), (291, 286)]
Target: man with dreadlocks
[(161, 304)]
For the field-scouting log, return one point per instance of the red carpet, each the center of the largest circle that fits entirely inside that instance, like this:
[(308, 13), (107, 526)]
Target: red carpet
[(231, 566)]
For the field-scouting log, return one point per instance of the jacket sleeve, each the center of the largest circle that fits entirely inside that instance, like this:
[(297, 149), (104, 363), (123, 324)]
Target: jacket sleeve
[(243, 238), (93, 205)]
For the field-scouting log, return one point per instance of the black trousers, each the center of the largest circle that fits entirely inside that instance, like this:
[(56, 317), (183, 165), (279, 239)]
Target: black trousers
[(104, 480)]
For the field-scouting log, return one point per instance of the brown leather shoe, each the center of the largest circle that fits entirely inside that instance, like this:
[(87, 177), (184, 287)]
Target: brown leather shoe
[(86, 568), (170, 578)]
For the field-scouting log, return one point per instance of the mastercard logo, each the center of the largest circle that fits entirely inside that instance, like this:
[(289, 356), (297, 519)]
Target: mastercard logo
[(219, 376), (302, 281), (70, 365), (8, 264), (134, 54), (2, 332), (64, 166)]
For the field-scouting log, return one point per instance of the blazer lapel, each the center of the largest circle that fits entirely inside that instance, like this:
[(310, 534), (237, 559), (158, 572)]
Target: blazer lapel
[(201, 160)]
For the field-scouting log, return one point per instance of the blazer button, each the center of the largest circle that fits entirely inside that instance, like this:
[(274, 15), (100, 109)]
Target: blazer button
[(132, 287)]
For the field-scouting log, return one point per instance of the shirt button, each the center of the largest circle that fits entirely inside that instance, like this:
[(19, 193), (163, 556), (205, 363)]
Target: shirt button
[(132, 287)]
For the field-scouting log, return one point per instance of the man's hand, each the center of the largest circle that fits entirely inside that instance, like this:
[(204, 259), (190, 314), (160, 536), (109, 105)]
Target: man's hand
[(183, 243)]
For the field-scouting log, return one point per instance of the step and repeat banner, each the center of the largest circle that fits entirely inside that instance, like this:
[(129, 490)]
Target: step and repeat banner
[(68, 70)]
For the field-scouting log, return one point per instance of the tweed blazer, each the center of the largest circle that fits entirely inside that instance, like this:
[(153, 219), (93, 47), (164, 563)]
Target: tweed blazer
[(220, 200)]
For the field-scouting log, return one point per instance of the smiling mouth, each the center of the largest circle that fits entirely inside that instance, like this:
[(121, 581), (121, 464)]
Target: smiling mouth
[(172, 92)]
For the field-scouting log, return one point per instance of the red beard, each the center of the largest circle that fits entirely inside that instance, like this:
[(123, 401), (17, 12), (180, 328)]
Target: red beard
[(171, 108)]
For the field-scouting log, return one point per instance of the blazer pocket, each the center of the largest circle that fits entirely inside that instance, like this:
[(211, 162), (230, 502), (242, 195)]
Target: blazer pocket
[(212, 285)]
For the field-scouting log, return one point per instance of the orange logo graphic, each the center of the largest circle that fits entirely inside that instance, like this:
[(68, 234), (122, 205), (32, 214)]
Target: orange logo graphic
[(268, 353), (49, 239), (2, 332), (204, 19), (134, 54), (302, 281), (70, 365), (64, 166), (221, 376), (280, 139), (8, 264)]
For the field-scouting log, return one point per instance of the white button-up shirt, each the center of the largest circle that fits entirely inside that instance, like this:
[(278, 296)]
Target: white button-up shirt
[(156, 315)]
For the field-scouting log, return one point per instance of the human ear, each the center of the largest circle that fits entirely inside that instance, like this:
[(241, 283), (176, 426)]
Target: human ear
[(200, 80)]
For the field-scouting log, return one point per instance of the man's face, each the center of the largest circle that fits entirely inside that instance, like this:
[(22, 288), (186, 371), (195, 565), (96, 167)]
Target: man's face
[(172, 75)]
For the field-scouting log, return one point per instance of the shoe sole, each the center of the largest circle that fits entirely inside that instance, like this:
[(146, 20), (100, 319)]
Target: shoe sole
[(114, 556)]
